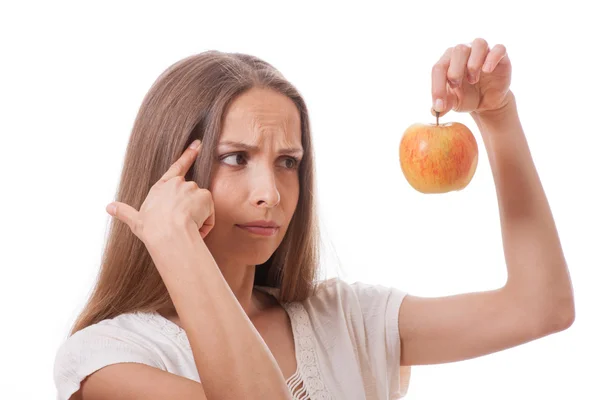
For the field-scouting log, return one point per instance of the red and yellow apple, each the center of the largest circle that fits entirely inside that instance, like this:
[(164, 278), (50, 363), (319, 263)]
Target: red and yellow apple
[(438, 158)]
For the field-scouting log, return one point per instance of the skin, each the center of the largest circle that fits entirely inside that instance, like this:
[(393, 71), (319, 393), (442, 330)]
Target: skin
[(260, 184)]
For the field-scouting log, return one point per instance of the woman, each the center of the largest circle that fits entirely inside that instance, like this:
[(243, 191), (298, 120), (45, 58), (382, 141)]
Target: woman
[(210, 290)]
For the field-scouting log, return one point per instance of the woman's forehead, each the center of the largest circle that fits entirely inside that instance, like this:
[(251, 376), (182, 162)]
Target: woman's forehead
[(262, 116), (262, 108)]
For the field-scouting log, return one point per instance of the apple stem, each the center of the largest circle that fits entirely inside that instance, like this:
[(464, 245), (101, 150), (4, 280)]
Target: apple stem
[(437, 118)]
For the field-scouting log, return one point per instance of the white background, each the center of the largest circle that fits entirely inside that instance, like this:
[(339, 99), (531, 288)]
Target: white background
[(73, 75)]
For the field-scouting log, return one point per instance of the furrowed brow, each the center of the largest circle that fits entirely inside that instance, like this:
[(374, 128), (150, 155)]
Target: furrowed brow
[(251, 148)]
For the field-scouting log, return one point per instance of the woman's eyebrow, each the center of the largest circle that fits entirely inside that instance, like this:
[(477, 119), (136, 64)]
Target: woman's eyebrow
[(251, 148)]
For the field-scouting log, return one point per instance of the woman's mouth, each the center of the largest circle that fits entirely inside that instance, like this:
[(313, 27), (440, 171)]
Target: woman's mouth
[(259, 230)]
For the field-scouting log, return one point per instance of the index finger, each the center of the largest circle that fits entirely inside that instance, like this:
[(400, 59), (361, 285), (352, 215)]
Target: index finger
[(183, 164), (438, 81)]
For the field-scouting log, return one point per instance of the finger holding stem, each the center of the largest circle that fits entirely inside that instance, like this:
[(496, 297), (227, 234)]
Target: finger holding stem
[(439, 79)]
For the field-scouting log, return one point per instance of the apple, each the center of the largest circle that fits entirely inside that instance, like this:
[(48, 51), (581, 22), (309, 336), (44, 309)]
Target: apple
[(438, 158)]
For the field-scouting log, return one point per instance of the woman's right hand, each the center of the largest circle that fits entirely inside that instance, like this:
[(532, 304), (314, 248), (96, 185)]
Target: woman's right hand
[(173, 205)]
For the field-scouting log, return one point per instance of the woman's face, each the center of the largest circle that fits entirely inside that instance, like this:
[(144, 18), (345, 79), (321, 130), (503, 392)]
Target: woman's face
[(257, 178)]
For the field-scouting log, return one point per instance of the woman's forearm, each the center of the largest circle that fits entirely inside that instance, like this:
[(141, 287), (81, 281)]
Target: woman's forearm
[(232, 359), (537, 270)]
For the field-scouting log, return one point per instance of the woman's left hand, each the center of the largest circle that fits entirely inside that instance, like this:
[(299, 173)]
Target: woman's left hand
[(471, 78)]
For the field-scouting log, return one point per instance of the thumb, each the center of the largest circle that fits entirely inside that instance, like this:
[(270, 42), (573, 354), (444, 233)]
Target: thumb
[(124, 213), (448, 106)]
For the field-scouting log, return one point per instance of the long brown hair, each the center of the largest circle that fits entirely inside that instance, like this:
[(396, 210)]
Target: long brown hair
[(186, 102)]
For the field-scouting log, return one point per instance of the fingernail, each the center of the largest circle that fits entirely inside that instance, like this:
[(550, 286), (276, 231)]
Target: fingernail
[(111, 208), (487, 67), (439, 105), (470, 78), (195, 144)]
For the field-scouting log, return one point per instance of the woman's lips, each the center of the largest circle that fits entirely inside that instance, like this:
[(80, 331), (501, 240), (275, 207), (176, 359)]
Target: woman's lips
[(259, 230)]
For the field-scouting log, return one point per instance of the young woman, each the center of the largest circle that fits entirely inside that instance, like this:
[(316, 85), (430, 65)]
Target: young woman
[(208, 287)]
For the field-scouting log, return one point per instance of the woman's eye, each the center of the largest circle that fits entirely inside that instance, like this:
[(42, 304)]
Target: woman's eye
[(294, 162), (236, 157), (288, 162)]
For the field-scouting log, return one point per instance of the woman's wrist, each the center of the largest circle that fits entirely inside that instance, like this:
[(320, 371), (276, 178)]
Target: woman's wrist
[(497, 115)]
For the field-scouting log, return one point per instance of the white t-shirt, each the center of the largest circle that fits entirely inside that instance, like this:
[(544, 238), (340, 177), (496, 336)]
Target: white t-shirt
[(346, 339)]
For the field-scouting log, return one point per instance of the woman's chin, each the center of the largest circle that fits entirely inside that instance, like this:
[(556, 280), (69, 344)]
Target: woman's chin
[(248, 249)]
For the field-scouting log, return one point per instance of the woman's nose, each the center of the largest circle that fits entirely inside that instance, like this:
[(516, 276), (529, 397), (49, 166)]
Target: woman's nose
[(265, 192)]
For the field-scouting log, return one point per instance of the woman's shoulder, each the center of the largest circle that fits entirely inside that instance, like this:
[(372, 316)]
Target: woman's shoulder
[(339, 299), (147, 330), (339, 290), (120, 332), (124, 338), (350, 315), (130, 324)]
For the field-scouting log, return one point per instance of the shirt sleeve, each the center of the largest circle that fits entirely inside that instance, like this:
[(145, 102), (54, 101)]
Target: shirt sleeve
[(380, 306), (93, 348)]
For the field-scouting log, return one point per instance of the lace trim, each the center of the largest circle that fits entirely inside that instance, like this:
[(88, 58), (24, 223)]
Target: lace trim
[(308, 371)]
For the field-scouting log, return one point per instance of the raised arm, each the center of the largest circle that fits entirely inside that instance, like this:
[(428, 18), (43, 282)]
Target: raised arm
[(537, 299)]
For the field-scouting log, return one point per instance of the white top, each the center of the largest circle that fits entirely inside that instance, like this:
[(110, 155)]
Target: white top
[(346, 338)]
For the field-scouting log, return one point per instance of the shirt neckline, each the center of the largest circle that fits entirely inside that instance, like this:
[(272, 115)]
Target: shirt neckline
[(307, 371)]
